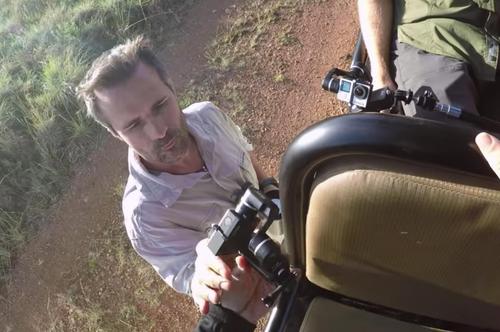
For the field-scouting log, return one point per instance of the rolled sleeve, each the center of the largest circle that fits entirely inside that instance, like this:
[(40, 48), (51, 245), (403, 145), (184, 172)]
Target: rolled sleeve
[(173, 257), (169, 248)]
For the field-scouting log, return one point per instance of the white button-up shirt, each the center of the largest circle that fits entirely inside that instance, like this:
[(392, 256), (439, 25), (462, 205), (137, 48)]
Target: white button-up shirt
[(166, 215)]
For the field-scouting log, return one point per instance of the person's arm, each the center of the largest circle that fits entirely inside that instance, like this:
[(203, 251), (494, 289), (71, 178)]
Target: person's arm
[(159, 240), (490, 148), (376, 20), (173, 259)]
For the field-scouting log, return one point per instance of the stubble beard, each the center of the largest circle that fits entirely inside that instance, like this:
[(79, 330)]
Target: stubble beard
[(178, 151)]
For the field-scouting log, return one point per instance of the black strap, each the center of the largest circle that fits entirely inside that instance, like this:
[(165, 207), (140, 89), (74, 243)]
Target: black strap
[(220, 319), (268, 181)]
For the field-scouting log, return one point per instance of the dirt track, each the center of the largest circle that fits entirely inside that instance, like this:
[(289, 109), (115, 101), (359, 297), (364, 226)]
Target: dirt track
[(276, 111)]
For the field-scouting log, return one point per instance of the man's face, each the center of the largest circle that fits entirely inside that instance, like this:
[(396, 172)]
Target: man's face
[(144, 113)]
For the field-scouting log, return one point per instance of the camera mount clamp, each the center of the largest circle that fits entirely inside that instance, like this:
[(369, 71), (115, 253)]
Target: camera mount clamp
[(353, 88)]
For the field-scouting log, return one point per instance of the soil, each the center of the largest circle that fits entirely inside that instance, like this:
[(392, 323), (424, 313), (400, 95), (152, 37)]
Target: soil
[(324, 34)]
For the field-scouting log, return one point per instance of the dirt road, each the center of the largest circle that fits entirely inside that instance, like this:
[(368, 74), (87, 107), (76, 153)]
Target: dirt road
[(280, 86)]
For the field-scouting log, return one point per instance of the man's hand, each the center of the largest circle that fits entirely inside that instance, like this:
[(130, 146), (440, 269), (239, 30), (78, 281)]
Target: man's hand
[(211, 276), (490, 148), (230, 282), (383, 81), (246, 293)]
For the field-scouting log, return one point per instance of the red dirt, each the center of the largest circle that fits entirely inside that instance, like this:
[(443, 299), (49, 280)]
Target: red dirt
[(325, 33)]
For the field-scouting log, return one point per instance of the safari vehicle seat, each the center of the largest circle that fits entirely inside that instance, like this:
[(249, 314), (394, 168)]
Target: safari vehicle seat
[(327, 315), (396, 217)]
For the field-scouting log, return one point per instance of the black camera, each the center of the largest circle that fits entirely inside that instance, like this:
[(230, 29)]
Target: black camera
[(243, 230), (352, 90)]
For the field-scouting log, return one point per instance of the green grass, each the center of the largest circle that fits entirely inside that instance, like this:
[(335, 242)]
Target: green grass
[(13, 237), (279, 78), (287, 38), (243, 34), (195, 91), (45, 49)]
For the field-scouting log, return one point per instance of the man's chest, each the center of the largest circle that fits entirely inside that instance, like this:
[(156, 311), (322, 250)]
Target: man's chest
[(202, 205)]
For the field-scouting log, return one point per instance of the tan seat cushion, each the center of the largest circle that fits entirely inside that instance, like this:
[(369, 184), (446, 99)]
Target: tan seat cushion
[(416, 244), (327, 315)]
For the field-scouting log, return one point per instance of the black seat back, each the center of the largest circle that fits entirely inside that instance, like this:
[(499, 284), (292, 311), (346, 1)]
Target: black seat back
[(399, 212)]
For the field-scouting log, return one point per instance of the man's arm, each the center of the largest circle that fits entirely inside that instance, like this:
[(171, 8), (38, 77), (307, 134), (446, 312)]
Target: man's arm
[(172, 257), (158, 239), (376, 20)]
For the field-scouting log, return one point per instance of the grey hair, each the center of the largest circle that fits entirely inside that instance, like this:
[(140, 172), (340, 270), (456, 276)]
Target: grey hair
[(114, 66)]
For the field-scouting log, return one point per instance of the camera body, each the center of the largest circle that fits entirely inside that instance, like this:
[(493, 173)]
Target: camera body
[(243, 230), (354, 92), (348, 88)]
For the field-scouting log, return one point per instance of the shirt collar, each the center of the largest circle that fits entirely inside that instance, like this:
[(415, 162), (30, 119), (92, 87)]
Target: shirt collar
[(163, 186)]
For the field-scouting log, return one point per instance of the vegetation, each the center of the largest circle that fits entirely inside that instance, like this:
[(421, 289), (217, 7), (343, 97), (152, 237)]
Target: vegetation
[(45, 48), (229, 50)]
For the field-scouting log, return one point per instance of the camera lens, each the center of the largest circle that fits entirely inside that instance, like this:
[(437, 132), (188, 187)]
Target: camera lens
[(331, 84), (269, 256), (360, 92)]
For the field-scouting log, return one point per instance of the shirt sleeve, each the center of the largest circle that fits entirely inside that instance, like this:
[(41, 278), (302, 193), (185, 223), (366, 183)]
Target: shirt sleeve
[(489, 5), (169, 248)]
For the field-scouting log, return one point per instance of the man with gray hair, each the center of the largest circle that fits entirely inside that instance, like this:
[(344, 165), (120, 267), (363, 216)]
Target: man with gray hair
[(185, 168)]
